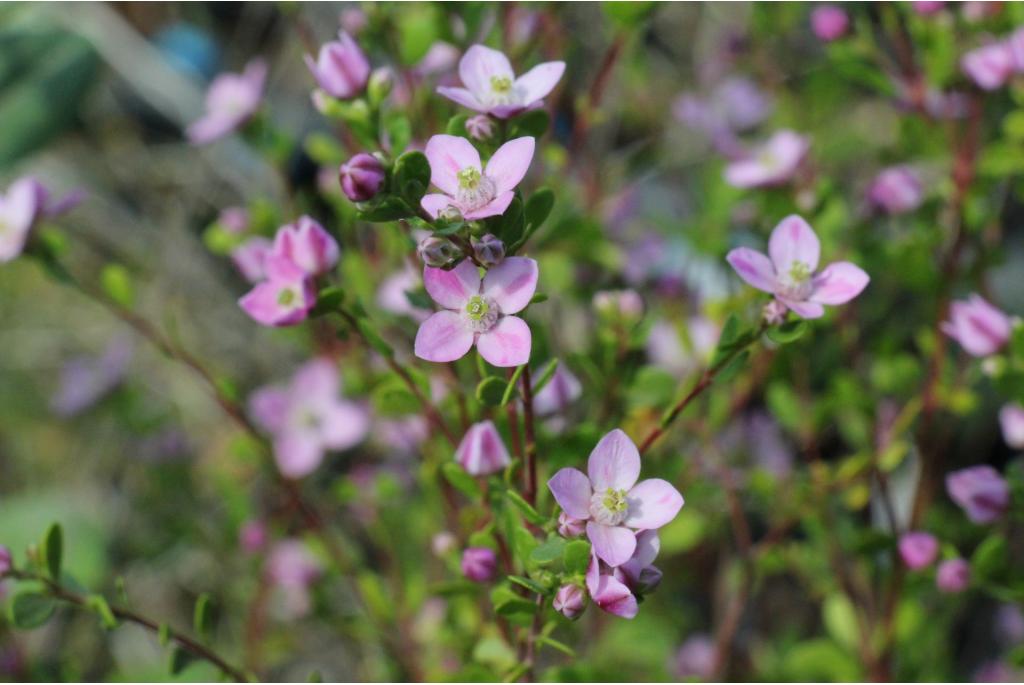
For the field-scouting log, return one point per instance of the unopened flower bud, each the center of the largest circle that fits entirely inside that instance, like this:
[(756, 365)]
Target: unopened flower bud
[(918, 550), (480, 127), (489, 250), (953, 575), (481, 451), (437, 252), (570, 601), (623, 305), (774, 313), (361, 177), (381, 81), (5, 560), (479, 564), (253, 536), (569, 527)]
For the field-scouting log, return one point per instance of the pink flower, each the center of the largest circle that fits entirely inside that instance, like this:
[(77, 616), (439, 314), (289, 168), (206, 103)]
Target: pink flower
[(980, 491), (953, 575), (231, 101), (476, 191), (19, 207), (570, 601), (696, 658), (491, 87), (980, 328), (773, 163), (918, 550), (562, 390), (481, 451), (608, 592), (341, 68), (989, 66), (308, 418), (479, 312), (84, 381), (1015, 44), (293, 568), (639, 573), (896, 190), (308, 246), (480, 127), (284, 299), (391, 296), (479, 564), (251, 258), (1011, 419), (252, 536), (361, 177), (611, 501), (234, 220), (928, 7), (5, 559), (568, 527), (789, 271), (829, 22)]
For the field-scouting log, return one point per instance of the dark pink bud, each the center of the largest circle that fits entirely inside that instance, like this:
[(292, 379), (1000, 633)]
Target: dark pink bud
[(361, 177), (829, 22), (953, 575), (479, 564), (570, 600), (918, 550)]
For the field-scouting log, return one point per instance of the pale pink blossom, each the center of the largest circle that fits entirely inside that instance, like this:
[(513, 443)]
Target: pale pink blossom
[(234, 220), (480, 127), (980, 491), (562, 390), (284, 298), (84, 381), (639, 573), (773, 163), (1011, 420), (475, 190), (292, 568), (896, 190), (609, 592), (980, 328), (482, 451), (308, 417), (989, 66), (918, 549), (231, 100), (392, 297), (928, 7), (250, 258), (341, 68), (19, 207), (479, 311), (788, 271), (490, 86), (307, 245), (696, 658), (829, 22), (6, 561), (479, 564), (252, 536), (611, 501), (570, 601), (953, 575)]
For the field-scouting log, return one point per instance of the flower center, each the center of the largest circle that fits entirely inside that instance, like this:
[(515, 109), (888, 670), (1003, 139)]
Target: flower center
[(501, 84), (286, 297), (503, 91), (475, 189), (481, 314), (609, 508), (796, 284)]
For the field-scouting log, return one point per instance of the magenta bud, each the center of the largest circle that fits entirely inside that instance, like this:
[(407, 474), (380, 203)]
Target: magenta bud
[(980, 491), (568, 527), (479, 564), (489, 250), (480, 127), (481, 451), (570, 600), (341, 68), (918, 550), (6, 562), (953, 575), (308, 246), (980, 328), (437, 252), (829, 22), (361, 177)]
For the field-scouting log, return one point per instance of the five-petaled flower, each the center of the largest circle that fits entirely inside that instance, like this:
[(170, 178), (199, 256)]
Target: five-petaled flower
[(773, 163), (479, 311), (491, 86), (611, 501), (231, 100), (475, 190), (788, 273)]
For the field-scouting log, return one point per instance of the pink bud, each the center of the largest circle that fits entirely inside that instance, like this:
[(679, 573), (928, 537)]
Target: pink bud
[(624, 305), (307, 245), (696, 658), (489, 250), (568, 527), (980, 491), (570, 600), (896, 190), (1015, 44), (918, 550), (980, 328), (774, 313), (1011, 419), (989, 66), (361, 177), (481, 451), (5, 559), (479, 564), (480, 127), (252, 536), (829, 22), (953, 575), (341, 68)]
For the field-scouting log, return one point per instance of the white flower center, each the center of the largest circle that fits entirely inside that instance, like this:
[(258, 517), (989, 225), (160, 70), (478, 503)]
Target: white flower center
[(503, 91), (480, 314), (796, 284), (475, 189), (609, 508)]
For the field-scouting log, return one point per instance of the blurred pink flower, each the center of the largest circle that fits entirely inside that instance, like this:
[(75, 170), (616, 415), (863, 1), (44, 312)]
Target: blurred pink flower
[(252, 536), (980, 328), (829, 22), (989, 66), (928, 7), (980, 491), (341, 68), (491, 87), (1009, 625), (391, 296), (775, 162), (479, 311), (624, 306), (696, 658), (250, 258), (293, 568), (479, 564), (231, 100), (307, 245), (482, 451), (562, 390), (6, 562), (284, 298), (480, 127), (84, 381), (953, 575), (570, 601), (19, 207), (1011, 420), (789, 275), (476, 191), (611, 500), (896, 190), (307, 418), (918, 550), (234, 220)]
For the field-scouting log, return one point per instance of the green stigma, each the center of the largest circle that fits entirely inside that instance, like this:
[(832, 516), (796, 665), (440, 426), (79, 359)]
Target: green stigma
[(799, 272), (477, 308), (615, 501), (285, 298), (501, 84), (469, 178)]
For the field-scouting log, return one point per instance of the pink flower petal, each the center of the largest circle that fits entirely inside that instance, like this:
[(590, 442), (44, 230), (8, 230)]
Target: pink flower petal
[(753, 267), (614, 545), (615, 598), (447, 156), (452, 289), (210, 127), (482, 451), (507, 344), (511, 284), (839, 283), (345, 424), (652, 504), (614, 463), (280, 268), (269, 407), (316, 381), (539, 81), (479, 65), (461, 96), (443, 338), (435, 203), (510, 163), (793, 240), (571, 489), (648, 545), (807, 310), (297, 453), (495, 207), (263, 302)]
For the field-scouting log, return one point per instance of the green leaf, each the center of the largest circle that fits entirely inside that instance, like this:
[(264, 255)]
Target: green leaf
[(545, 376), (510, 388), (490, 391), (529, 584), (538, 208), (202, 616), (412, 176), (576, 556), (990, 559), (328, 300), (627, 14), (548, 552), (385, 208), (53, 550), (457, 125), (163, 634), (98, 605), (533, 123), (399, 130), (180, 660), (373, 338), (460, 480), (506, 602), (788, 332), (31, 609), (525, 508), (560, 646), (117, 284), (511, 224), (734, 366), (393, 398), (840, 617)]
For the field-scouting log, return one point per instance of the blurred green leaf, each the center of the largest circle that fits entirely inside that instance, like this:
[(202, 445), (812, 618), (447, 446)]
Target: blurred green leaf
[(30, 609), (53, 550)]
